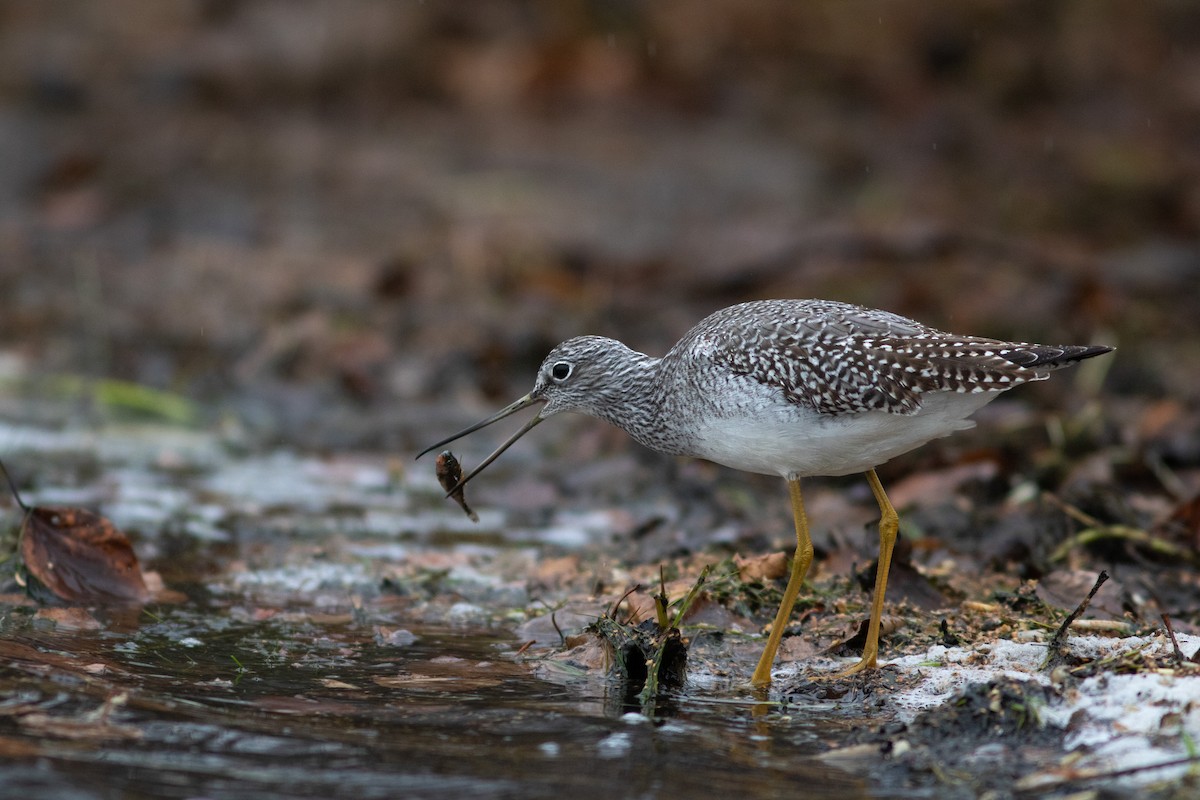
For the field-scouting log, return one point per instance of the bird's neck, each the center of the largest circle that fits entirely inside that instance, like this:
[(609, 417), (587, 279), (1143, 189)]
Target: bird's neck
[(632, 399)]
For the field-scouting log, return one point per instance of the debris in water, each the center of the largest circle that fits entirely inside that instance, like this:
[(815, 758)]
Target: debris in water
[(449, 474)]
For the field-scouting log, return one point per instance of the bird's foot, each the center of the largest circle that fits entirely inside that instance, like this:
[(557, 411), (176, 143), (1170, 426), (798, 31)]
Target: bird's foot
[(866, 664)]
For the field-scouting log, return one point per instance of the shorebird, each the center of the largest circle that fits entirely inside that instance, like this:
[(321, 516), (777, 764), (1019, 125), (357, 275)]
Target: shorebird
[(794, 388)]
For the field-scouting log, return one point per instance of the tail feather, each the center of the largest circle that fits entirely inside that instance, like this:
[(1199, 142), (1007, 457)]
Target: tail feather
[(1042, 355)]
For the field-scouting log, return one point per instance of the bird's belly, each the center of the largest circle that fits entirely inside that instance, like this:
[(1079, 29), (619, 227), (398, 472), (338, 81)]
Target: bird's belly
[(793, 441)]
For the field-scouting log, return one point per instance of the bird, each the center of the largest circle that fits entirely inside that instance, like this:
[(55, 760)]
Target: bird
[(795, 389)]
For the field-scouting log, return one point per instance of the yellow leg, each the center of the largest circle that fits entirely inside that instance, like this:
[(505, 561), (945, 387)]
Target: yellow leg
[(800, 564), (889, 523)]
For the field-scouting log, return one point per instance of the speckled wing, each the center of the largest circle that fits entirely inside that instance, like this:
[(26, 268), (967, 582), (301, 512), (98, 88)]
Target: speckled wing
[(819, 354), (842, 359)]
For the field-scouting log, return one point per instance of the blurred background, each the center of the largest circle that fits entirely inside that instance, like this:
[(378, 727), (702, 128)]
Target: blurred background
[(342, 223)]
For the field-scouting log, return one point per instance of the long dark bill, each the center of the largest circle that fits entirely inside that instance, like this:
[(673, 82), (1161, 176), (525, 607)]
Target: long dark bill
[(524, 402)]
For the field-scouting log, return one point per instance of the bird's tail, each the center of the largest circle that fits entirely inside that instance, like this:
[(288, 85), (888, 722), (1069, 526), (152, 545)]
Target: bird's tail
[(1053, 356)]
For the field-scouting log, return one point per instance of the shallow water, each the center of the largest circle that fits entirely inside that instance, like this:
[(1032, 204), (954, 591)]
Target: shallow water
[(317, 708)]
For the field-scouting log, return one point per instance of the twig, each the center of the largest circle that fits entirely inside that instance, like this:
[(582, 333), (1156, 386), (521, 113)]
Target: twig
[(1095, 531), (1073, 512), (1060, 636), (1124, 533), (12, 487), (613, 614), (562, 637), (1180, 658), (691, 596)]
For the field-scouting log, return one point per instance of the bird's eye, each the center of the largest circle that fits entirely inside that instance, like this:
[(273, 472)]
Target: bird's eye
[(560, 371)]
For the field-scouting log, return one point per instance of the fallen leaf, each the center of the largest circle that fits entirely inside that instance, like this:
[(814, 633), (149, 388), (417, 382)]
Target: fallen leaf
[(550, 628), (796, 648), (906, 583), (588, 652), (80, 556), (637, 607), (1183, 525), (706, 611), (769, 567), (853, 646), (69, 619), (934, 487)]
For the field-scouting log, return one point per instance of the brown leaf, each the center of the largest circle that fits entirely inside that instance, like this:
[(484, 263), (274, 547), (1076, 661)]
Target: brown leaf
[(69, 619), (797, 648), (769, 567), (1183, 525), (588, 652), (638, 606), (81, 556), (1064, 589), (905, 582), (934, 487), (854, 645)]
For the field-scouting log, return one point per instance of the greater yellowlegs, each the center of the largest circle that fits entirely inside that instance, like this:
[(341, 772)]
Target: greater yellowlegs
[(794, 388)]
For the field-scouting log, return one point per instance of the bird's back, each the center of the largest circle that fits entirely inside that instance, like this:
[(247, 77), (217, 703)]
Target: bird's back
[(837, 359)]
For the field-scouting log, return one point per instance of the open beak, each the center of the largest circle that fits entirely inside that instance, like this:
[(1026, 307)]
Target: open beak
[(512, 408)]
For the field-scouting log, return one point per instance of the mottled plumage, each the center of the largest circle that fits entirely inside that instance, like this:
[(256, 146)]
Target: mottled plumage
[(836, 358)]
